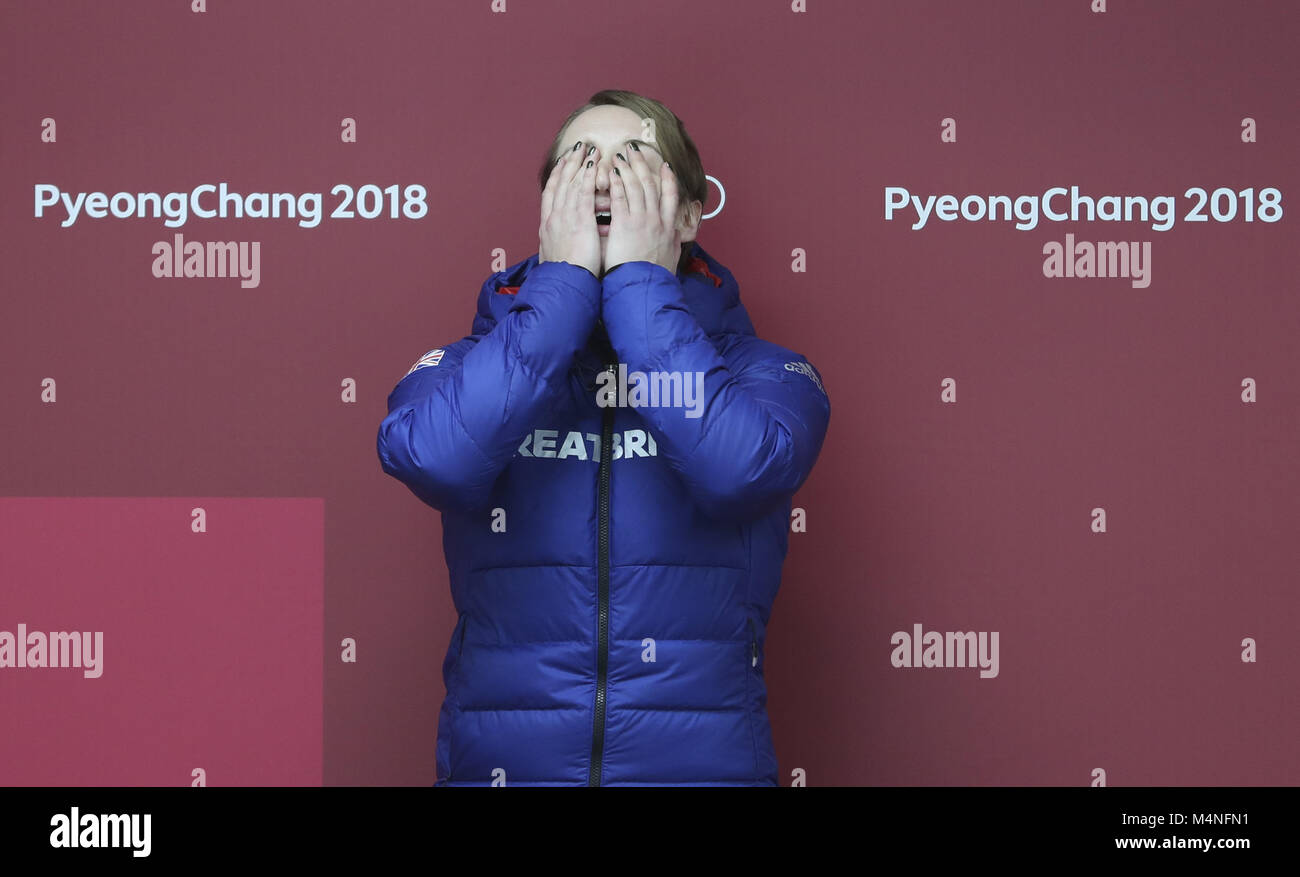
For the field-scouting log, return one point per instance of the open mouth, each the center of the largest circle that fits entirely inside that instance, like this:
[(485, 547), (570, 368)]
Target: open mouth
[(603, 218)]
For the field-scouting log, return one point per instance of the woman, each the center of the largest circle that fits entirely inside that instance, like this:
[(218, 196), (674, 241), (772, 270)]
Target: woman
[(613, 551)]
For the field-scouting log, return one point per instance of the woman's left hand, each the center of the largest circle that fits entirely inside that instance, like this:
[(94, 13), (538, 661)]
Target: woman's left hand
[(643, 212)]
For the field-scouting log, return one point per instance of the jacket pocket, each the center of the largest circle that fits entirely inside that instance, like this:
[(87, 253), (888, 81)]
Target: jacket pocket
[(754, 688), (461, 624), (455, 649), (451, 677)]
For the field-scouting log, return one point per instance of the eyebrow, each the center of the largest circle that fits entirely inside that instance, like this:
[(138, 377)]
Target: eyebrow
[(632, 140), (651, 145)]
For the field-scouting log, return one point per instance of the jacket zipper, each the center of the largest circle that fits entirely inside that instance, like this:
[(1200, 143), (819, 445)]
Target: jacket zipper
[(753, 642), (602, 644)]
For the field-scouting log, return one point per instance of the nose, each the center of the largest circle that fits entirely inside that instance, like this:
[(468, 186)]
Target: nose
[(604, 170)]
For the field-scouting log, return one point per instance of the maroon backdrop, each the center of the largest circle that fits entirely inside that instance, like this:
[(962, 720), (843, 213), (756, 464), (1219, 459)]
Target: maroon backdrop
[(190, 467)]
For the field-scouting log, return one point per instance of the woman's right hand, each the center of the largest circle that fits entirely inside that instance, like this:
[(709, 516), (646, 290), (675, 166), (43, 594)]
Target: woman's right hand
[(568, 230)]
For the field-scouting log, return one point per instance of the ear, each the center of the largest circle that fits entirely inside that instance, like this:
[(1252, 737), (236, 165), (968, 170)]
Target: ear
[(688, 221)]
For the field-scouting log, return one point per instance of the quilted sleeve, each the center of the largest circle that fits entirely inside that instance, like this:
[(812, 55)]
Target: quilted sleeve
[(457, 417), (757, 426)]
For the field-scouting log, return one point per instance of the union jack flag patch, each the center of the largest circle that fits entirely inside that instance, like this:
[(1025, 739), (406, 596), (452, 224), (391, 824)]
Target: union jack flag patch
[(433, 357)]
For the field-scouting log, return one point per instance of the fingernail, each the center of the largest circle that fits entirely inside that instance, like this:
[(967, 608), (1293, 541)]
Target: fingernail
[(576, 145), (634, 146), (590, 151), (620, 156), (589, 164)]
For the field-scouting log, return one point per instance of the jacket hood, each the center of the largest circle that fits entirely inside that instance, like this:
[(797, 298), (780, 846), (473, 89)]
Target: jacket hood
[(711, 294)]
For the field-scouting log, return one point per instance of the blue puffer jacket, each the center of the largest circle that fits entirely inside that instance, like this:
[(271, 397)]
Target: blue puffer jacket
[(613, 567)]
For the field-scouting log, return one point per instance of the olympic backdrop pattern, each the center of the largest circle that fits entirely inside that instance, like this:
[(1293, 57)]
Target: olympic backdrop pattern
[(1082, 488)]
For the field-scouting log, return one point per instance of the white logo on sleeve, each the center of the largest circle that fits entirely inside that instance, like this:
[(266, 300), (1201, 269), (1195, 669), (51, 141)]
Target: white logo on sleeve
[(433, 357), (808, 371)]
